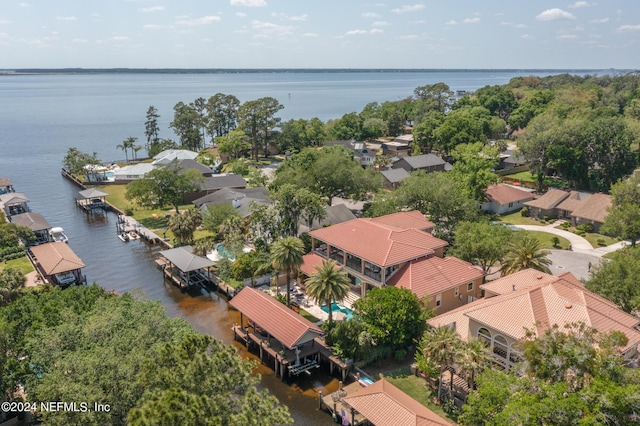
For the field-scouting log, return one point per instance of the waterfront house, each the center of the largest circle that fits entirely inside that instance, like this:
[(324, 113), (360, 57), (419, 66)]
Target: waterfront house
[(579, 207), (6, 186), (132, 172), (187, 164), (372, 250), (502, 198), (58, 264), (447, 282), (334, 214), (240, 199), (383, 404), (427, 162), (36, 222), (13, 203), (214, 183), (167, 156), (533, 301)]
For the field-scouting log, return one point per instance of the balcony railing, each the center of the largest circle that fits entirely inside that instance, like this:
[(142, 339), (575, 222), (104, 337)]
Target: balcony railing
[(375, 275), (354, 263)]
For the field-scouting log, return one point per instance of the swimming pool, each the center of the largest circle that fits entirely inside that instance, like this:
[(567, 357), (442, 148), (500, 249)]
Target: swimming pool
[(338, 307), (223, 252)]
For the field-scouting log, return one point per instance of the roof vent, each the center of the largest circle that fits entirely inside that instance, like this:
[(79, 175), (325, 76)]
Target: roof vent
[(539, 276), (513, 287), (568, 305)]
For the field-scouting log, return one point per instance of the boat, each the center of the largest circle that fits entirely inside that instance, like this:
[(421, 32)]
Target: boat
[(57, 235), (124, 237)]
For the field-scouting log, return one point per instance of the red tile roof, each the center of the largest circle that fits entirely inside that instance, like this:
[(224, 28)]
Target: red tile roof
[(384, 240), (288, 327), (430, 276), (56, 258), (505, 194), (383, 404), (518, 280), (563, 300), (309, 263)]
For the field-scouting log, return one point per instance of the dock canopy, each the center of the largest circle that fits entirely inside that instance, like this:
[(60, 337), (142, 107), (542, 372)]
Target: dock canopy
[(92, 193), (33, 221), (184, 259), (55, 258), (384, 404), (288, 327)]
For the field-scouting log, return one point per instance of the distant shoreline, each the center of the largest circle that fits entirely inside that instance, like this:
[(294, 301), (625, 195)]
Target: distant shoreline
[(29, 71)]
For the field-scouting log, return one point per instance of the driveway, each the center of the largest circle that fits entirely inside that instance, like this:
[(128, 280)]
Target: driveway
[(578, 243)]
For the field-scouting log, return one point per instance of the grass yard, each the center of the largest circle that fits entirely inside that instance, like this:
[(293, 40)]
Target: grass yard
[(308, 316), (21, 263), (416, 388), (546, 240), (516, 218), (595, 240)]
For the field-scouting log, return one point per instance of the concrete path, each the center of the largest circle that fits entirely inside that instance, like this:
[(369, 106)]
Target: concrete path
[(578, 243)]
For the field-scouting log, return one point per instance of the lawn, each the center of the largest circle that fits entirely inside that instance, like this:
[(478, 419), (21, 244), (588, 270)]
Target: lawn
[(516, 218), (546, 240), (593, 238), (416, 388), (21, 263), (308, 316)]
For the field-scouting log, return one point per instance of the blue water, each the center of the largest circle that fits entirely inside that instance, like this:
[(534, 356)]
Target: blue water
[(222, 251), (335, 307)]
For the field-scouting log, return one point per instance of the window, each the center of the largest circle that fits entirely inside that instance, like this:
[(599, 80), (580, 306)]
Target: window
[(438, 300), (470, 287), (510, 204), (484, 335), (456, 292)]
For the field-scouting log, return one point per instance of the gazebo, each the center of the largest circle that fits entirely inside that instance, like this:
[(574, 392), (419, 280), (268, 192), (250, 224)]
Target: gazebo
[(186, 269)]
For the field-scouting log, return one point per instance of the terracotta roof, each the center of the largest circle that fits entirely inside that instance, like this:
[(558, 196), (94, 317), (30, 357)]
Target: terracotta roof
[(383, 404), (380, 240), (33, 221), (550, 200), (309, 263), (505, 194), (434, 275), (56, 257), (405, 220), (521, 280), (560, 301), (594, 208), (288, 327)]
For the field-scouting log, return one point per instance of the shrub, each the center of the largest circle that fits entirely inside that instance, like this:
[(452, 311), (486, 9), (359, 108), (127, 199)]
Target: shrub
[(586, 227), (400, 354), (601, 242), (555, 241), (545, 218), (524, 212), (566, 225), (128, 211), (580, 232)]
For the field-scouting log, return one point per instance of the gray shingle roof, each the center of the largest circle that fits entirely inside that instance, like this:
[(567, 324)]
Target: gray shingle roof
[(395, 175)]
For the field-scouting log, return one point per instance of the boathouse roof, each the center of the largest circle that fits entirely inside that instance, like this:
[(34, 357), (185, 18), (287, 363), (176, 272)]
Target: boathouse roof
[(57, 257), (33, 221), (92, 193), (384, 404), (288, 327), (184, 259)]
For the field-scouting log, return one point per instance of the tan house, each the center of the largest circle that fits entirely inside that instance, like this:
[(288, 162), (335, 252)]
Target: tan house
[(372, 250), (502, 198), (448, 282), (530, 300), (580, 207)]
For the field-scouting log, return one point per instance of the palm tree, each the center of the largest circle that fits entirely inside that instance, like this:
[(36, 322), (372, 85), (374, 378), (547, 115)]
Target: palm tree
[(327, 284), (125, 148), (184, 225), (473, 358), (439, 345), (135, 150), (525, 253), (286, 255)]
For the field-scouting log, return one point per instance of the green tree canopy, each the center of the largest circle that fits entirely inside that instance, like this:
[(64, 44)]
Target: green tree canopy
[(233, 143), (618, 279), (394, 317), (623, 217), (329, 283), (523, 253), (286, 256), (481, 243)]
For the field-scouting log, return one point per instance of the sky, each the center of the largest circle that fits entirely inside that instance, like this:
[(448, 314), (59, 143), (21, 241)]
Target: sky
[(474, 34)]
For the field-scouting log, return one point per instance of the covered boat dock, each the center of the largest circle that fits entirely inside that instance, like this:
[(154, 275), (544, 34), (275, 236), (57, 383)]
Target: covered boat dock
[(58, 264), (185, 269), (291, 342), (91, 200)]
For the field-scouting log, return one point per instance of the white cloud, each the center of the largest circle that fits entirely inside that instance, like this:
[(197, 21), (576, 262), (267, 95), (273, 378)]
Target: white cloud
[(471, 20), (452, 22), (299, 18), (629, 28), (66, 18), (527, 37), (249, 3), (511, 24), (409, 8), (370, 15), (409, 37), (241, 14), (554, 15), (80, 41), (119, 38), (4, 21), (356, 32), (205, 20), (376, 31), (268, 28), (286, 17), (599, 21), (153, 27), (24, 4), (567, 37), (152, 9), (381, 24), (311, 35), (579, 4)]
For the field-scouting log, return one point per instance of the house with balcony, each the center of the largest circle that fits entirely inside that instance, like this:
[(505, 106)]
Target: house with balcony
[(373, 250), (531, 301)]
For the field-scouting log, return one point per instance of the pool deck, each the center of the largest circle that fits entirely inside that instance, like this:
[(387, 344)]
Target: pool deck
[(308, 304)]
